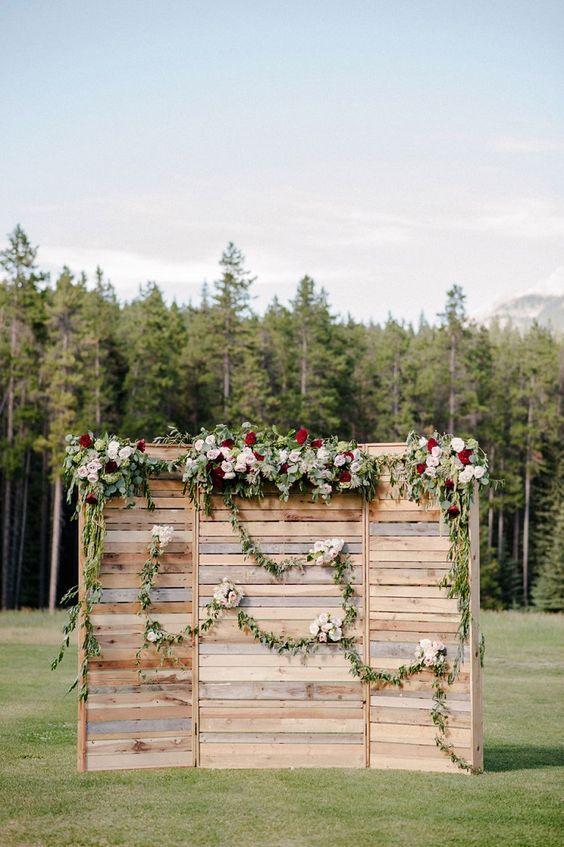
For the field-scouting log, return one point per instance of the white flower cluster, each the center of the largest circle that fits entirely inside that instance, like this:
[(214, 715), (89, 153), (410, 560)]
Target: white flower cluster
[(163, 533), (325, 552), (431, 654), (327, 627), (154, 635), (227, 594), (90, 470)]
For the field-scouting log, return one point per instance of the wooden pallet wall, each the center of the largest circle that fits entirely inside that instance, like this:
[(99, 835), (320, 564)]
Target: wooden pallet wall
[(234, 703), (126, 722)]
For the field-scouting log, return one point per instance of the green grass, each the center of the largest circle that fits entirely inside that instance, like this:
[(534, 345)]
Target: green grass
[(45, 803)]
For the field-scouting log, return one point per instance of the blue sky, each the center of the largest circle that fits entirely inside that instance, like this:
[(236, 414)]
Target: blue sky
[(388, 149)]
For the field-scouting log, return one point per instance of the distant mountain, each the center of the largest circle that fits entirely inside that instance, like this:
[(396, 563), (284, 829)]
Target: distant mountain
[(546, 309)]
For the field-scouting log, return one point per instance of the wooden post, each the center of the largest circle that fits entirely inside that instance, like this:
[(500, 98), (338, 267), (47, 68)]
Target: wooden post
[(82, 707), (195, 640), (477, 731), (366, 607)]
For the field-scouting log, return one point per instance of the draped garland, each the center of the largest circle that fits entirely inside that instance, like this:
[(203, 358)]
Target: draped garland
[(247, 463)]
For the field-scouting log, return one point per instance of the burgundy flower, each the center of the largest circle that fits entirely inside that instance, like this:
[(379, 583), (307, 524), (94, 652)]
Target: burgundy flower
[(284, 467), (464, 456), (258, 456), (91, 499), (218, 472), (349, 454), (317, 443), (421, 468), (228, 442), (345, 476), (111, 466), (453, 511), (141, 445), (250, 438), (449, 484), (432, 442), (301, 435), (85, 440)]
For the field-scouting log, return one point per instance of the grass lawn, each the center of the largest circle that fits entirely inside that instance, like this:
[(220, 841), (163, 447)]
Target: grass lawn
[(45, 803)]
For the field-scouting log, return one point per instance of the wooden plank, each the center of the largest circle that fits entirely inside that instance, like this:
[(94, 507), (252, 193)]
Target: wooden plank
[(477, 739), (282, 755), (382, 529), (137, 761)]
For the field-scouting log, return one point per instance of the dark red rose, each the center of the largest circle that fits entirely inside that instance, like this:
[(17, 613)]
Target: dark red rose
[(250, 438), (453, 511), (141, 445), (449, 484), (228, 443), (421, 468), (85, 440), (317, 443), (432, 442), (218, 472), (284, 467), (345, 476), (349, 454), (91, 499), (111, 466), (301, 435), (258, 456), (464, 456)]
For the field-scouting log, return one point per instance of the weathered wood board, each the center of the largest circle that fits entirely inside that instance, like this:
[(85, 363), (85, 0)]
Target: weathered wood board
[(232, 703)]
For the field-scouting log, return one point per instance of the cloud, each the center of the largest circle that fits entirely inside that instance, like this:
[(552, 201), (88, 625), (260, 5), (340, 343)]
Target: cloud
[(522, 146)]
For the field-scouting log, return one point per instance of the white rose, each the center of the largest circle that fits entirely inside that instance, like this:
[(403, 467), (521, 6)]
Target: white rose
[(113, 449), (240, 465), (226, 466), (336, 634), (326, 488), (355, 467), (213, 453), (189, 462), (323, 454), (425, 644), (226, 452), (82, 472), (437, 451), (340, 459), (283, 456), (229, 475), (210, 439), (479, 471), (432, 462), (294, 456), (92, 477), (313, 628), (337, 621), (431, 472), (198, 444), (467, 474), (422, 441), (327, 627), (322, 618), (152, 636), (125, 452), (457, 444)]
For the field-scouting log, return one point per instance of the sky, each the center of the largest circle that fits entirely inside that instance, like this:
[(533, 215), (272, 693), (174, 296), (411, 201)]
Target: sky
[(387, 148)]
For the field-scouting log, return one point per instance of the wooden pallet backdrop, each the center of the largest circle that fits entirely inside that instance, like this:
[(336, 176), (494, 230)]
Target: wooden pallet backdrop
[(234, 703)]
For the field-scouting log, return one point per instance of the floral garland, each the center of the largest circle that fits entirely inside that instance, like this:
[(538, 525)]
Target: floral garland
[(245, 460), (98, 469)]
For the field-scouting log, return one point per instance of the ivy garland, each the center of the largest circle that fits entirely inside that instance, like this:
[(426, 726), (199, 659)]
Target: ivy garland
[(244, 463)]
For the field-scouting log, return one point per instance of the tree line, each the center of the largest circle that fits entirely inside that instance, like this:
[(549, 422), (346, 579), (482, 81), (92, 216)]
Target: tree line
[(72, 357)]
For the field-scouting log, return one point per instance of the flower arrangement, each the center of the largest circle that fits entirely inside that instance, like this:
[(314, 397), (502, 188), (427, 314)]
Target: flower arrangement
[(101, 467), (325, 552), (326, 627), (444, 467), (431, 654), (162, 534), (243, 460), (227, 595)]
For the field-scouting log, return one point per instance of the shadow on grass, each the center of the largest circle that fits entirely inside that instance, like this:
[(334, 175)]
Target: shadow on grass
[(516, 757)]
